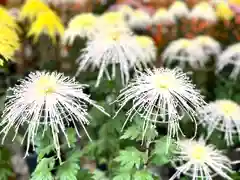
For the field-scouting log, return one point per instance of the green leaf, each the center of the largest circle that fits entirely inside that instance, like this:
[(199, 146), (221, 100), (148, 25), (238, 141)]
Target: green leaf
[(135, 131), (143, 175), (123, 176), (162, 152), (43, 169), (84, 175), (5, 172), (131, 133), (72, 138), (99, 175), (5, 164), (131, 158), (68, 170), (44, 144)]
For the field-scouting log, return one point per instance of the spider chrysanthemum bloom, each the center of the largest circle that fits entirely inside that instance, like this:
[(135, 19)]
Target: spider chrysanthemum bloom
[(46, 101), (179, 9), (9, 43), (147, 45), (139, 19), (161, 96), (223, 11), (203, 11), (200, 160), (52, 26), (210, 46), (222, 115), (162, 16), (114, 47), (184, 52), (111, 20), (230, 59), (83, 25), (32, 8)]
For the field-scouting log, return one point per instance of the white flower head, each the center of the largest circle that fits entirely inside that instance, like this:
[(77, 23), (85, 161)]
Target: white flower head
[(114, 47), (162, 16), (230, 57), (82, 25), (161, 96), (111, 20), (209, 45), (203, 11), (184, 51), (149, 50), (139, 19), (222, 115), (179, 9), (47, 101), (200, 160)]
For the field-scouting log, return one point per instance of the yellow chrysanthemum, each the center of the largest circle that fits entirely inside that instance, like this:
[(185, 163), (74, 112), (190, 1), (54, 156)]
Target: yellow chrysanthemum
[(234, 2), (46, 22), (223, 11), (9, 43), (7, 20), (32, 8)]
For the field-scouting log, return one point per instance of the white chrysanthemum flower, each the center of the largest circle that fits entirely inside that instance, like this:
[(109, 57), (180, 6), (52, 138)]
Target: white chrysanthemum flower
[(222, 115), (83, 25), (209, 45), (231, 56), (139, 19), (112, 20), (115, 47), (184, 51), (149, 52), (162, 16), (179, 9), (161, 96), (200, 160), (203, 11), (46, 101)]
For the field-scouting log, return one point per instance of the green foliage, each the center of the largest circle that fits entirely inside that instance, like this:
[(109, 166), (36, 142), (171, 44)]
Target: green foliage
[(142, 175), (44, 169), (136, 131), (162, 152), (123, 176), (5, 164), (68, 170), (131, 157), (84, 175)]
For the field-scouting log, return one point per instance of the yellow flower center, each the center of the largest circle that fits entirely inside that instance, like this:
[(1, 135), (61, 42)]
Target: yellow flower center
[(223, 11), (143, 41), (186, 43), (164, 81), (178, 4), (114, 36), (229, 107), (113, 17), (199, 153), (203, 6), (161, 12), (45, 85)]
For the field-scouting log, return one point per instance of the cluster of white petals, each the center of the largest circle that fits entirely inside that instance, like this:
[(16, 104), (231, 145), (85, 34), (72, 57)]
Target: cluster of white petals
[(47, 101), (200, 160)]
